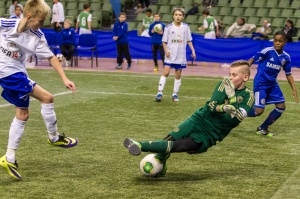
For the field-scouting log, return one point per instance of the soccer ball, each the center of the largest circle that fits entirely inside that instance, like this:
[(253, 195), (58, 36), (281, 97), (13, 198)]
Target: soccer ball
[(60, 57), (150, 166), (158, 28)]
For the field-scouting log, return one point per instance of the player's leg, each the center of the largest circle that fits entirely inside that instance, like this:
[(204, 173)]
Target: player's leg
[(162, 53), (16, 94), (162, 82), (119, 56), (127, 55), (177, 83), (259, 103), (49, 117), (161, 146), (275, 96), (154, 53)]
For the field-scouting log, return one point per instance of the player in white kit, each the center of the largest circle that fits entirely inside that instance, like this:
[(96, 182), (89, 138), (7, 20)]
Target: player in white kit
[(19, 38), (176, 36)]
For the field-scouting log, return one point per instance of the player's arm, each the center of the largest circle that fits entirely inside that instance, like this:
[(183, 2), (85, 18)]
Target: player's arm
[(89, 22), (151, 31), (291, 81), (217, 102), (190, 44), (259, 56)]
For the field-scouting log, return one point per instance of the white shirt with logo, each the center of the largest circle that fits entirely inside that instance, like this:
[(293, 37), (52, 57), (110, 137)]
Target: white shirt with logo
[(176, 39), (15, 46)]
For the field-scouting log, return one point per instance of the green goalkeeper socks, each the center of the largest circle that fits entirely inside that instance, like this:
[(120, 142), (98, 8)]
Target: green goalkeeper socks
[(159, 146)]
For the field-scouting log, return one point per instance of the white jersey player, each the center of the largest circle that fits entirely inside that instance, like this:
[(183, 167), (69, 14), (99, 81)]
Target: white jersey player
[(176, 36), (18, 38)]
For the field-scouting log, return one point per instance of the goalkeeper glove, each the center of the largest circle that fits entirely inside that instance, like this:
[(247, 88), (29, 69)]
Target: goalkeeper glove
[(229, 109), (229, 90)]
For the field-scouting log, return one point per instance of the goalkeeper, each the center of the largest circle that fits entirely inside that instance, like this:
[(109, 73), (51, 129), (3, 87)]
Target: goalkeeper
[(228, 106)]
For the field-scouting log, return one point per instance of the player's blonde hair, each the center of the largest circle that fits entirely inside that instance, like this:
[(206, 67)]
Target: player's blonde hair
[(178, 9), (37, 8), (245, 66), (68, 21)]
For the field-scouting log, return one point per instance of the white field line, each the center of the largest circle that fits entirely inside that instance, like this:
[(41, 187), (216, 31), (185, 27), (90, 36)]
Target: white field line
[(290, 188), (118, 93), (201, 78)]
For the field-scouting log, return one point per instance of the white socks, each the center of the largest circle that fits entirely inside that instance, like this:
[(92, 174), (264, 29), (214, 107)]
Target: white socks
[(49, 117), (15, 133), (177, 83), (162, 82)]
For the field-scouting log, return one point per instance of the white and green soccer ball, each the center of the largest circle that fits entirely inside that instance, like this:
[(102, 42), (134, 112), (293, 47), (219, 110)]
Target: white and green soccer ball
[(150, 166), (158, 28)]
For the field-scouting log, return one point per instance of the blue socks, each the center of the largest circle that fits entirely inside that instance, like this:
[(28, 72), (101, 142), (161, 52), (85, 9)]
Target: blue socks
[(273, 116)]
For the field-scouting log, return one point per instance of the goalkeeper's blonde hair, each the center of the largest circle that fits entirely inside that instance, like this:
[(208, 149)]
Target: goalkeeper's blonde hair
[(245, 66)]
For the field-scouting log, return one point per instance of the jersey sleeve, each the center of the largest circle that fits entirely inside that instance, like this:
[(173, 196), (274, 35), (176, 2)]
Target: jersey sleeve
[(89, 18), (166, 34), (259, 56), (288, 66), (189, 34), (42, 50), (205, 24)]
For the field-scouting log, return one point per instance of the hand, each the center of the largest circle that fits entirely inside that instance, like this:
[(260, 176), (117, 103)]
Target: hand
[(295, 96), (168, 54), (193, 55), (229, 89), (70, 85), (229, 109)]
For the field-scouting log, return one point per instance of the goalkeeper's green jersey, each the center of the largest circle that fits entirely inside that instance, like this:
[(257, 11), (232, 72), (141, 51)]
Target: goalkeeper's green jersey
[(218, 125)]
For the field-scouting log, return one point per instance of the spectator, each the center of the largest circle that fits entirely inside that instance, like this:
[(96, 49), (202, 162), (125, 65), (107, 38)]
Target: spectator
[(139, 9), (209, 25), (18, 13), (147, 21), (221, 28), (84, 20), (58, 15), (67, 41), (194, 10), (12, 8), (263, 32), (209, 3), (290, 30), (156, 39), (120, 36), (238, 28), (145, 3)]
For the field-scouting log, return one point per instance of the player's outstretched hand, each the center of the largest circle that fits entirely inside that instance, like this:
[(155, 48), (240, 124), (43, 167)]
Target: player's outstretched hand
[(70, 85), (229, 109), (229, 89), (295, 95)]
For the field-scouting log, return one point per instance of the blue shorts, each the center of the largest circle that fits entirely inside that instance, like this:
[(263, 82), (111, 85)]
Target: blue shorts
[(175, 66), (271, 95), (16, 89)]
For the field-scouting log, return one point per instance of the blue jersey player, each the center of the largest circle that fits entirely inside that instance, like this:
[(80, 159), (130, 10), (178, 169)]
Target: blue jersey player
[(265, 86)]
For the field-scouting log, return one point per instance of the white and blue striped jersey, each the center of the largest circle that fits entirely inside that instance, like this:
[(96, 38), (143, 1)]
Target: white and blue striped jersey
[(15, 46), (269, 65), (176, 39)]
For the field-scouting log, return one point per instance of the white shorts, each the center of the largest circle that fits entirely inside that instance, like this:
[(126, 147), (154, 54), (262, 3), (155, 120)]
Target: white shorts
[(210, 35), (84, 31), (145, 33)]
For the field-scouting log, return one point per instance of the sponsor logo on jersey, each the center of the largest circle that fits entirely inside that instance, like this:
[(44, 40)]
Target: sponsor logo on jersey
[(12, 54), (274, 66)]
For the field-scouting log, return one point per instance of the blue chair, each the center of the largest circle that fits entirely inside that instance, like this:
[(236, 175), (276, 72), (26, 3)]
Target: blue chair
[(87, 43)]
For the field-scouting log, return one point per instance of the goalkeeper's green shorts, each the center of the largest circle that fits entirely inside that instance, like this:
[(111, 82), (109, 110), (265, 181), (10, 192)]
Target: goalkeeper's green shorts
[(191, 129)]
